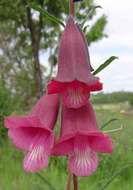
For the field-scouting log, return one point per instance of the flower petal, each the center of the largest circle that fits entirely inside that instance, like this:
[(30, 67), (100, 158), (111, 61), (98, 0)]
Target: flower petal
[(63, 148), (23, 121), (22, 137), (37, 157), (22, 129), (83, 161), (75, 97), (101, 143), (73, 58)]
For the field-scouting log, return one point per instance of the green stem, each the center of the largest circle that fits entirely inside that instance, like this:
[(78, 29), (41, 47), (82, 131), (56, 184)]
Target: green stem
[(68, 185), (108, 122)]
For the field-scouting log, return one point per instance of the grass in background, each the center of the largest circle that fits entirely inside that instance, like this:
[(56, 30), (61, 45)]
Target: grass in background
[(114, 97), (12, 176)]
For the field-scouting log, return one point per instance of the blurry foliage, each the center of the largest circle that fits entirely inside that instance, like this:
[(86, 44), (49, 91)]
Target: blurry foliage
[(115, 97), (6, 107), (96, 31)]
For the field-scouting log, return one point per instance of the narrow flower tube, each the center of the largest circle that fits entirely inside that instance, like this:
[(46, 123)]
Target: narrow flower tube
[(81, 139), (74, 80), (33, 133)]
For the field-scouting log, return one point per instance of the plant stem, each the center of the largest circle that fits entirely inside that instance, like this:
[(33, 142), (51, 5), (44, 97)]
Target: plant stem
[(114, 130), (75, 182), (68, 185), (71, 7)]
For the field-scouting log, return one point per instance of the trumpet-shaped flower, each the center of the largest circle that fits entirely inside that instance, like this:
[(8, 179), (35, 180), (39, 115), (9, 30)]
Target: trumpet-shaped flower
[(33, 133), (74, 80), (81, 139)]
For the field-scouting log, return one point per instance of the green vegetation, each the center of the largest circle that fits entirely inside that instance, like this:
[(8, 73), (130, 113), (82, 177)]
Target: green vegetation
[(115, 97), (13, 177)]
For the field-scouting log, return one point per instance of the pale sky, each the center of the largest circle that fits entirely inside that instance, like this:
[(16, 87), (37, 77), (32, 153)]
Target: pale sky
[(119, 75)]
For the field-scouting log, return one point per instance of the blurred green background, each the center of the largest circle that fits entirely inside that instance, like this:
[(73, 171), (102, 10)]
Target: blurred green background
[(25, 35)]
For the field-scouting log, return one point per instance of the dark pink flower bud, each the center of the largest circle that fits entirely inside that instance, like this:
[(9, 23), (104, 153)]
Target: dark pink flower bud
[(74, 80), (33, 133)]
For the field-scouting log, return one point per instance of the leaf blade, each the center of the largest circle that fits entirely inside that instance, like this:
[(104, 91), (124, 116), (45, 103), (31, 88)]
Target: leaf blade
[(46, 14), (108, 122), (105, 64), (45, 181)]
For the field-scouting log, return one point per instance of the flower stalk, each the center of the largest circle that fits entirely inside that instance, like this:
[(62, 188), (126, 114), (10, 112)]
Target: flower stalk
[(71, 7), (68, 185), (75, 182), (114, 130)]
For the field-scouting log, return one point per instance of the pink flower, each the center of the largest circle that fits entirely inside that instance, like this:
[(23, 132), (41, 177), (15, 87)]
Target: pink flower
[(74, 80), (33, 133), (86, 44), (80, 139)]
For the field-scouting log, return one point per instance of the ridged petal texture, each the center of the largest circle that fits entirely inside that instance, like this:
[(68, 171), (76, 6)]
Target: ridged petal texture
[(33, 133), (39, 151), (75, 96), (83, 160)]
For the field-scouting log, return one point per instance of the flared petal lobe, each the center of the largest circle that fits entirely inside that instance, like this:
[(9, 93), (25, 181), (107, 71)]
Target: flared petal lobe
[(74, 80), (33, 133), (83, 161), (39, 151)]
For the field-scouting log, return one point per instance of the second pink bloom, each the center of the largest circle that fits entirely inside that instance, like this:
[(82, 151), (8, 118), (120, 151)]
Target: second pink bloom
[(33, 133), (80, 140)]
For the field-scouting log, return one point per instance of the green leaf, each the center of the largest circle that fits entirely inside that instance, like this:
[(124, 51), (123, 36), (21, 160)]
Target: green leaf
[(108, 122), (96, 31), (117, 173), (105, 64), (46, 181), (46, 14), (85, 28)]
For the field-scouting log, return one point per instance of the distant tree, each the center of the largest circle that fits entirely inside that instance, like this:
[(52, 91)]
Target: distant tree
[(25, 33)]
